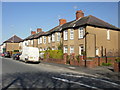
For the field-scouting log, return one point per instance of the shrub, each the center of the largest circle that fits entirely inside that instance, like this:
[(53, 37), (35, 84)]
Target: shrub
[(78, 59), (106, 64), (117, 59), (55, 54)]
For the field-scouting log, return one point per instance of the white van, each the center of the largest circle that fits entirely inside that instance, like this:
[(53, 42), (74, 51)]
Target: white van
[(30, 54)]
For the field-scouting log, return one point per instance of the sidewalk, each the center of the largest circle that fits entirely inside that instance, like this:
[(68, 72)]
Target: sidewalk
[(101, 71)]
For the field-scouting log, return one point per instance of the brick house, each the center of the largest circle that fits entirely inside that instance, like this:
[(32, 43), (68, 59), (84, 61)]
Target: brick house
[(11, 44), (84, 35), (90, 34)]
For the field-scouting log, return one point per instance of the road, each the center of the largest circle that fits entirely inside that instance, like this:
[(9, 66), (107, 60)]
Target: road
[(17, 74)]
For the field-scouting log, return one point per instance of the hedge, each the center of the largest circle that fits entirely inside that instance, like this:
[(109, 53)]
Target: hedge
[(55, 54)]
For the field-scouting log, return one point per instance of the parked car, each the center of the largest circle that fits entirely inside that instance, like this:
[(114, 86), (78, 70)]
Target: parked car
[(16, 56), (2, 54), (7, 54)]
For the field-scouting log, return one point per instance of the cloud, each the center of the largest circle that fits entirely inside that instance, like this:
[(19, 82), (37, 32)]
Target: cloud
[(75, 7)]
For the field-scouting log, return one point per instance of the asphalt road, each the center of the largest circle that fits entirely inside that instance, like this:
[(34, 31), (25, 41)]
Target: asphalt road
[(17, 74)]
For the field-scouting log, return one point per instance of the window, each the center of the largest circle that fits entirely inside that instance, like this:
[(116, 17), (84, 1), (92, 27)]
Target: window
[(53, 37), (71, 49), (97, 51), (40, 49), (53, 48), (49, 39), (108, 34), (81, 32), (65, 35), (44, 39), (31, 42), (71, 34), (58, 36), (40, 39), (65, 49), (81, 50), (28, 42)]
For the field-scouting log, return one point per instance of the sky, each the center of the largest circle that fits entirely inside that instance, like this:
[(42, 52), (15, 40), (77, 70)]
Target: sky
[(18, 18)]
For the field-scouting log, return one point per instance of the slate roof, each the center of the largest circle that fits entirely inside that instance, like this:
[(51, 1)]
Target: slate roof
[(90, 21), (14, 39), (84, 21)]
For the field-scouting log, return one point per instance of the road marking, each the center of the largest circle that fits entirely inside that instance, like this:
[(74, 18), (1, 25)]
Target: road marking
[(77, 76), (68, 81), (71, 67)]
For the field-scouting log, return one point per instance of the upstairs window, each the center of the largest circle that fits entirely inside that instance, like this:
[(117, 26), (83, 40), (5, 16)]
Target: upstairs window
[(49, 39), (71, 49), (65, 35), (108, 34), (58, 36), (44, 37), (71, 34), (81, 32), (53, 37), (40, 39), (31, 42)]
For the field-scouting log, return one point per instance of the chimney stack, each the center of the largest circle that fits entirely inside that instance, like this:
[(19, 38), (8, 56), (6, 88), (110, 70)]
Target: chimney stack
[(79, 14), (33, 32), (62, 21), (39, 30)]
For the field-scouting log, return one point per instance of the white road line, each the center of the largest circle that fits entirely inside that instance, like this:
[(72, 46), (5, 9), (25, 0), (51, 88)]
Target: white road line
[(68, 81), (77, 76)]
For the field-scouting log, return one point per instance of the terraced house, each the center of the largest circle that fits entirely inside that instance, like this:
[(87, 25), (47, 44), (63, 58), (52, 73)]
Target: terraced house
[(86, 35)]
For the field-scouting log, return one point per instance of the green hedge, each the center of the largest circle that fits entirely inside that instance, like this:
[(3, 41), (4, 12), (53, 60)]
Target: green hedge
[(55, 54)]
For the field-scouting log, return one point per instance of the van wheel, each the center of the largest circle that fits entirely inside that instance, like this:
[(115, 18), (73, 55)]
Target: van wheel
[(26, 60)]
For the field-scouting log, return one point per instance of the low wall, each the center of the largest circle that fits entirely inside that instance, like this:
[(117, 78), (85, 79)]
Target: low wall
[(82, 60)]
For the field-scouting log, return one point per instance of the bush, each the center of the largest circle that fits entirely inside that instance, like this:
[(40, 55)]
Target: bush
[(78, 59), (106, 64), (117, 59), (55, 54)]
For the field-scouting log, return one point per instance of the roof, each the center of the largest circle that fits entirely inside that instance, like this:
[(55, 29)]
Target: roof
[(13, 39), (84, 21), (90, 21)]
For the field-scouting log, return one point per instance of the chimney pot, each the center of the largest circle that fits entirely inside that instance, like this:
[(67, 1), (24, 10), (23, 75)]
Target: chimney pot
[(33, 32), (79, 14), (62, 21), (39, 30)]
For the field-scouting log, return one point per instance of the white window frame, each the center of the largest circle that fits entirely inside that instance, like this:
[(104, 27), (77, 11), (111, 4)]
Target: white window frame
[(65, 49), (97, 51), (40, 49), (58, 36), (49, 39), (40, 40), (65, 35), (108, 34), (71, 34), (81, 32), (53, 48), (44, 39), (71, 49), (31, 42), (80, 49), (53, 37)]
